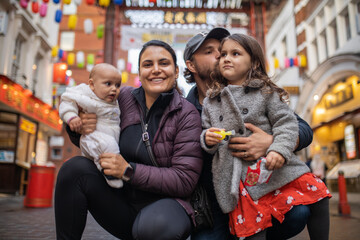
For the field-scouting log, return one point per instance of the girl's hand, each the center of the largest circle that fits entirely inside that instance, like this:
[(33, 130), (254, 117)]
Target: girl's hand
[(274, 160), (88, 122), (113, 164), (212, 138)]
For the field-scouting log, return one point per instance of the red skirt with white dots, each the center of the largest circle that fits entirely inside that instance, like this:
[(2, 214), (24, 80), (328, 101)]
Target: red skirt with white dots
[(250, 217)]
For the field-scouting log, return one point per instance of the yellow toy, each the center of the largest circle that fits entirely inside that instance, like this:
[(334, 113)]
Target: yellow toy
[(224, 134)]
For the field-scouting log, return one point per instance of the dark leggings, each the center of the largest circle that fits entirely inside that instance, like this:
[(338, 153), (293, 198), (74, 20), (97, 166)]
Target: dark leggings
[(315, 216), (81, 188)]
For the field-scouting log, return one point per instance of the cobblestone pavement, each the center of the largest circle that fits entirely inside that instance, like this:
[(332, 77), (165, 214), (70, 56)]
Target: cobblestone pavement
[(18, 222)]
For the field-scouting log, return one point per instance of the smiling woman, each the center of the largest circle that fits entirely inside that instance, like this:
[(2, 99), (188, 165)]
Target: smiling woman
[(153, 204), (158, 70)]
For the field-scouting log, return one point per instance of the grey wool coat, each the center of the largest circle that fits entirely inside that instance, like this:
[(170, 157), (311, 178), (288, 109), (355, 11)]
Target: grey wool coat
[(233, 107)]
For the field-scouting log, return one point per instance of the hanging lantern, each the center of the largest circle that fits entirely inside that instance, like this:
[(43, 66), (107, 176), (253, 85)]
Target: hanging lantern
[(67, 1), (24, 3), (99, 58), (104, 3), (58, 15), (43, 10), (35, 7), (54, 51), (137, 81), (56, 1), (72, 22), (88, 26), (64, 56), (77, 2), (302, 61), (276, 63), (152, 1), (80, 59), (90, 59), (296, 61), (100, 31), (287, 62), (90, 2), (71, 58), (120, 64), (124, 77), (118, 2), (60, 53), (291, 62), (128, 66), (59, 75), (45, 1)]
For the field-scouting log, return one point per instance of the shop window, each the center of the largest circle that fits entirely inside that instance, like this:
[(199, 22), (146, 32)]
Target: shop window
[(56, 153), (67, 41), (7, 137)]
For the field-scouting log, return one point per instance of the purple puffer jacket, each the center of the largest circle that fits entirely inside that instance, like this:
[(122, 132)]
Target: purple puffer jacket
[(176, 147)]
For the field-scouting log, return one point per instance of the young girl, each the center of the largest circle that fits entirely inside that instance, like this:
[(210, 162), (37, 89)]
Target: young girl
[(243, 93)]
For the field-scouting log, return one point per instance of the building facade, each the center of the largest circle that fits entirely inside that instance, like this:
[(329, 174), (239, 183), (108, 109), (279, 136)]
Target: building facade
[(27, 119), (327, 34)]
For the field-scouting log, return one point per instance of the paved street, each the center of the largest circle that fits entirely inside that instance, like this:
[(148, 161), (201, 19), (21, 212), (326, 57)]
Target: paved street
[(18, 222)]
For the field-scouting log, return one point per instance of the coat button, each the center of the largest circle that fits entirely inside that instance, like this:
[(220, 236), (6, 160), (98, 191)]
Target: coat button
[(241, 132), (219, 98), (247, 89), (245, 111), (221, 118)]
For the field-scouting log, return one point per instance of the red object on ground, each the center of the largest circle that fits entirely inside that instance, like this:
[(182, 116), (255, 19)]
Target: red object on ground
[(344, 207), (40, 188)]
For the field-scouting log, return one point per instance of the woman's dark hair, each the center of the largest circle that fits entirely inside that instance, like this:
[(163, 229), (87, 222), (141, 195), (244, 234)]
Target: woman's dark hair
[(158, 43), (167, 47), (257, 70)]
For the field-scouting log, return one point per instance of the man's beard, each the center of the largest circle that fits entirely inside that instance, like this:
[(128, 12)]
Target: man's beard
[(204, 74)]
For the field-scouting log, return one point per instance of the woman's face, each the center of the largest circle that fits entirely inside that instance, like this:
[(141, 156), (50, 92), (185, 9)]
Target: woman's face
[(157, 71)]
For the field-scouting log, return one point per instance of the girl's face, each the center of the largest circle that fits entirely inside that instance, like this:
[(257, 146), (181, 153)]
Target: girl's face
[(157, 72), (234, 62)]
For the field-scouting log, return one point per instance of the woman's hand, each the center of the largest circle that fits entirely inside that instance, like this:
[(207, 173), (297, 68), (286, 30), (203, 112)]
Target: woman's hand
[(274, 160), (212, 138), (252, 147), (88, 122), (113, 164)]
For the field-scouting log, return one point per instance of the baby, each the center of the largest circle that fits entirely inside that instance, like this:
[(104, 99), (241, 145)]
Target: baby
[(99, 97)]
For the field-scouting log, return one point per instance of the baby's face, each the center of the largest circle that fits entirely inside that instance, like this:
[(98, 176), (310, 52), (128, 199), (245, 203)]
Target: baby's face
[(106, 85)]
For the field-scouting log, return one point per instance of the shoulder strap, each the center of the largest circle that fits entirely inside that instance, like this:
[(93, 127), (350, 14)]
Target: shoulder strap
[(146, 140)]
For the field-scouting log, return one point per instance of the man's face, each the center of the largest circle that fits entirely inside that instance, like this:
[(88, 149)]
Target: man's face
[(205, 58)]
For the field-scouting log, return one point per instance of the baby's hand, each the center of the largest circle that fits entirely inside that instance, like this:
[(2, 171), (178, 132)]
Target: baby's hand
[(274, 160), (212, 138), (75, 124)]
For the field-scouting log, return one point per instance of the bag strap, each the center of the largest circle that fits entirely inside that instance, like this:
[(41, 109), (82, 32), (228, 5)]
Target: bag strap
[(146, 140)]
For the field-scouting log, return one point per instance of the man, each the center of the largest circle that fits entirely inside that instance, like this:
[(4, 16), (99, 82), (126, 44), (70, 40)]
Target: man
[(200, 56)]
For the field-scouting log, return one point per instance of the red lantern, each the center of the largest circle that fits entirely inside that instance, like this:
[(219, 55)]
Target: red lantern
[(59, 75), (90, 2), (35, 7), (45, 1)]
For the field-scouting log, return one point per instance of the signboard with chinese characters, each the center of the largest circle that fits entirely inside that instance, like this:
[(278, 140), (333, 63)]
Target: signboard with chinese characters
[(134, 38), (15, 96)]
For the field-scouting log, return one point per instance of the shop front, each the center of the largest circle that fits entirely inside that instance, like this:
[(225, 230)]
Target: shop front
[(331, 104), (26, 124)]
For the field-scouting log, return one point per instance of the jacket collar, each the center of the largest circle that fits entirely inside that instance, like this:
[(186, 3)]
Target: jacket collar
[(193, 97)]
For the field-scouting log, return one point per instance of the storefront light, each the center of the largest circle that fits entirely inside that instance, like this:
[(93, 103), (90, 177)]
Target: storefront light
[(37, 105), (60, 121), (319, 111), (68, 73), (34, 67), (316, 97), (5, 86)]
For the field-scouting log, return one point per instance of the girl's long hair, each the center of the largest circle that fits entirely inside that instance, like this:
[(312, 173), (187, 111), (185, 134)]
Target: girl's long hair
[(257, 70)]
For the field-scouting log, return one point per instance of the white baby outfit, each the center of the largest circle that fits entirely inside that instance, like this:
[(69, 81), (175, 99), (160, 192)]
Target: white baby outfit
[(105, 139)]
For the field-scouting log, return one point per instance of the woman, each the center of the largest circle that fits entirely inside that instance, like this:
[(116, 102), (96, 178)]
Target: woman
[(153, 202)]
